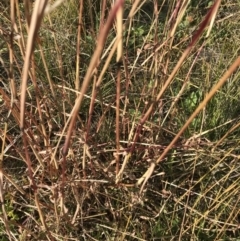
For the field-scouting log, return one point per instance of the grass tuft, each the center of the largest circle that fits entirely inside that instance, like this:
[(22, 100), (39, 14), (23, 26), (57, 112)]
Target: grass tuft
[(119, 121)]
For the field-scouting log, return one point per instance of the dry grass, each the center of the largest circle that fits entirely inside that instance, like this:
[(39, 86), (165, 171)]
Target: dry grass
[(119, 123)]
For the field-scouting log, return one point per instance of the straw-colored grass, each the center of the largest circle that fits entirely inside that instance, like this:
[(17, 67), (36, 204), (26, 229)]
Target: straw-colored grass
[(119, 121)]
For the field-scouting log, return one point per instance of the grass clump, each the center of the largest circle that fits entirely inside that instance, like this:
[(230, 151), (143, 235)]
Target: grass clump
[(119, 125)]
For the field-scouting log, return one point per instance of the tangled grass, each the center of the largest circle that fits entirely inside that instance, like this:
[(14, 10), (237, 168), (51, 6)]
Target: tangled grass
[(119, 122)]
